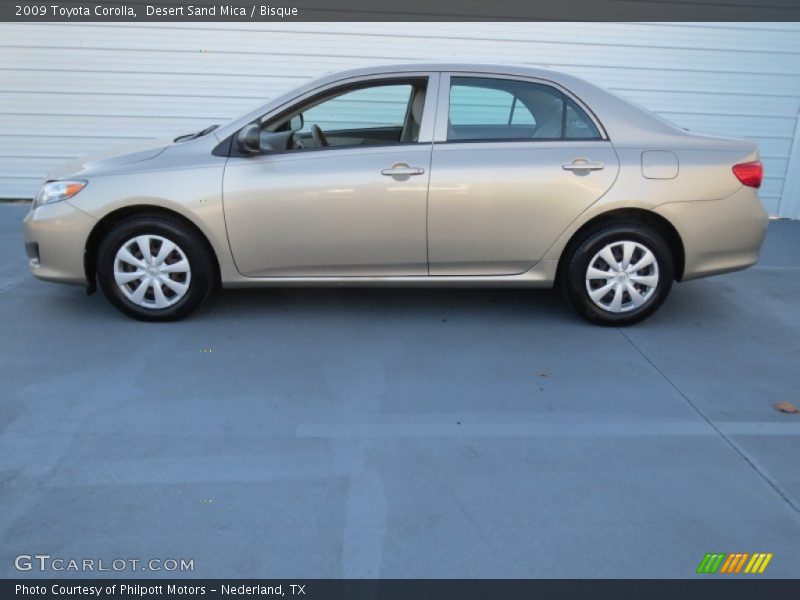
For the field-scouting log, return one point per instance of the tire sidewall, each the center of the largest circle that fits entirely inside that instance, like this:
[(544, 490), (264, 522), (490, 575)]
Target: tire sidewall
[(575, 280), (194, 250)]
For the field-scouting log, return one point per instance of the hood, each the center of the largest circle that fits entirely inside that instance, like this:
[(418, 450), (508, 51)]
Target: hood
[(120, 155)]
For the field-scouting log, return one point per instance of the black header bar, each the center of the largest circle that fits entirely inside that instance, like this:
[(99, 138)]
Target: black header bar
[(393, 10)]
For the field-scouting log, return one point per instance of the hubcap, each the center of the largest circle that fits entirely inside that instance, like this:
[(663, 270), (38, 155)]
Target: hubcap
[(622, 276), (152, 271)]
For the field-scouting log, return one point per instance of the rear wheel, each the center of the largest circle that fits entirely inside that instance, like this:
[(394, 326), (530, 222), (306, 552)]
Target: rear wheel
[(619, 274), (154, 268)]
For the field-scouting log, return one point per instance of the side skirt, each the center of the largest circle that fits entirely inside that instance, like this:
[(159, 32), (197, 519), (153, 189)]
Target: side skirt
[(541, 275)]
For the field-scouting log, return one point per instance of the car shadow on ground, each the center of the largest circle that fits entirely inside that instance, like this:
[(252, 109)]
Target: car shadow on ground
[(687, 303)]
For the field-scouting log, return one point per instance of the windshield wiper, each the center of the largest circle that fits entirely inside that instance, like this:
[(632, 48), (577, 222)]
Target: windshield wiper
[(194, 136)]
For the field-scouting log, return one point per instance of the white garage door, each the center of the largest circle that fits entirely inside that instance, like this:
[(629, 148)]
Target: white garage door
[(70, 89)]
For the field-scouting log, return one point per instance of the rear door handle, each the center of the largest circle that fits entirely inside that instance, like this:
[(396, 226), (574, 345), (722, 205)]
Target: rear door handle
[(402, 170), (582, 164)]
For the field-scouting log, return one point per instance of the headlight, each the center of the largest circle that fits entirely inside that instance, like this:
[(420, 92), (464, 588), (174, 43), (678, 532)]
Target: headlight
[(55, 191)]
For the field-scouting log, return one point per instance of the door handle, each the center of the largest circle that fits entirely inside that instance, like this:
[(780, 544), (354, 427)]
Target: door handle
[(402, 170), (582, 164)]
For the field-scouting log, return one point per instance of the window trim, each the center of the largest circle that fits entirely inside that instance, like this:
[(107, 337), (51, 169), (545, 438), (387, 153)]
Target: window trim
[(227, 147), (511, 112), (443, 109)]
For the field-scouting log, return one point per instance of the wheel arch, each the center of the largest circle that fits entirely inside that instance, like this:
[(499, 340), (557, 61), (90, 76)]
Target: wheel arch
[(108, 221), (619, 215)]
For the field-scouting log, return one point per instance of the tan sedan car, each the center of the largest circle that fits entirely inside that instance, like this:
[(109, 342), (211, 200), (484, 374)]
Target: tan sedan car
[(411, 175)]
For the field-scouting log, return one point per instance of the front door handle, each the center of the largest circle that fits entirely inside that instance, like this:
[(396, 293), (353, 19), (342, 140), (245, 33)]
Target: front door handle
[(582, 164), (402, 170)]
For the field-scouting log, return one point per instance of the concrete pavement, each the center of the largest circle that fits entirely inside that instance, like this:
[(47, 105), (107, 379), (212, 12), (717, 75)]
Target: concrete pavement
[(402, 433)]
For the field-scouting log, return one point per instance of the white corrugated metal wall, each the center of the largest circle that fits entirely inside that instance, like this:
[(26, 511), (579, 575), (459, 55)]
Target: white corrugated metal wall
[(70, 89)]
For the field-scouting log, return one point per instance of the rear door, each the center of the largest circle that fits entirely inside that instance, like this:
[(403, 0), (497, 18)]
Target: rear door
[(515, 160)]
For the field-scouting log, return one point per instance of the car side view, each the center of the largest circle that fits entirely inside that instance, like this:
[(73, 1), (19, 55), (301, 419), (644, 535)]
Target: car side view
[(409, 175)]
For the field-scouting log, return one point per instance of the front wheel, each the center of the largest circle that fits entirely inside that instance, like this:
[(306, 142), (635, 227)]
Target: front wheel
[(154, 268), (619, 274)]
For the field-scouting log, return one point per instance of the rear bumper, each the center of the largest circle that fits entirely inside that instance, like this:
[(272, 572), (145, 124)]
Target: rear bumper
[(719, 235), (55, 238)]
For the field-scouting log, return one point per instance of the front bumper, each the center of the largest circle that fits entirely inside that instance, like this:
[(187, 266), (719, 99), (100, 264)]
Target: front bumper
[(55, 239), (719, 235)]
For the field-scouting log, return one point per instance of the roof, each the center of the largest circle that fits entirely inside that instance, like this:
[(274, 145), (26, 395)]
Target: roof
[(488, 68), (443, 66)]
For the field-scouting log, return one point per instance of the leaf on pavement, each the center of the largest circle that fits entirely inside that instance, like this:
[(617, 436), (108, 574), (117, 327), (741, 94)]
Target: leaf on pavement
[(786, 407)]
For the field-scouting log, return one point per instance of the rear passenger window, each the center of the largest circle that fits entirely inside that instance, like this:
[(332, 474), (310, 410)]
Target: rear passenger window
[(579, 125), (485, 108)]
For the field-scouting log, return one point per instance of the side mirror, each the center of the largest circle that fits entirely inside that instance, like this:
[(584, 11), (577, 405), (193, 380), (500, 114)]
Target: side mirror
[(296, 122), (249, 138)]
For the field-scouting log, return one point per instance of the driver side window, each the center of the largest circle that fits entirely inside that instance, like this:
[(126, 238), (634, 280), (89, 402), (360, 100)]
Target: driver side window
[(385, 113)]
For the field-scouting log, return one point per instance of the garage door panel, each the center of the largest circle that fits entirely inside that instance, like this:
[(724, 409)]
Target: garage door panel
[(75, 82)]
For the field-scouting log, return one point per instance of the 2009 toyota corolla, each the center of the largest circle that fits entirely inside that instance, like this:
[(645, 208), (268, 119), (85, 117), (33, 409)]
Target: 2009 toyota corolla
[(445, 175)]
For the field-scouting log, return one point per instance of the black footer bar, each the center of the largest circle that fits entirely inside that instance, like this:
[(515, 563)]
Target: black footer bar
[(405, 589)]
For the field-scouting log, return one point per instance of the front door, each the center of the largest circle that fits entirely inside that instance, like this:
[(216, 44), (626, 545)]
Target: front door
[(347, 195)]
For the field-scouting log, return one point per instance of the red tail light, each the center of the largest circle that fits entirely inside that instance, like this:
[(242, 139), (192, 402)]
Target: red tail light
[(750, 173)]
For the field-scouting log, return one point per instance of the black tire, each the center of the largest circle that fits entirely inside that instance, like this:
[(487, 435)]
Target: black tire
[(202, 275), (573, 276)]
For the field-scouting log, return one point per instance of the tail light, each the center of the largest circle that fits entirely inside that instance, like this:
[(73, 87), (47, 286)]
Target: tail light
[(749, 173)]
